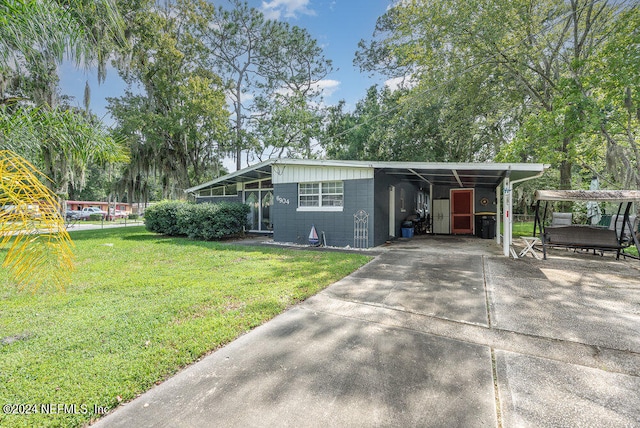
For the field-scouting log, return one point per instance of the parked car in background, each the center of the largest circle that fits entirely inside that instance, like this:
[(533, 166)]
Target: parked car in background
[(116, 214), (31, 211), (88, 211), (73, 215)]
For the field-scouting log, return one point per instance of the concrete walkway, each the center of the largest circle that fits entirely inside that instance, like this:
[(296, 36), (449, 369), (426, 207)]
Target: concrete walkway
[(425, 336)]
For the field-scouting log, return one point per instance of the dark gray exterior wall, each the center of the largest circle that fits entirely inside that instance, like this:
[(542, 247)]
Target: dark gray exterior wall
[(381, 211), (440, 192), (490, 194), (290, 225)]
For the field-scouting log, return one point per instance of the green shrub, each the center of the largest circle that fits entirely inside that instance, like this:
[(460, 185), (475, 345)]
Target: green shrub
[(197, 221), (163, 217), (95, 217), (133, 217)]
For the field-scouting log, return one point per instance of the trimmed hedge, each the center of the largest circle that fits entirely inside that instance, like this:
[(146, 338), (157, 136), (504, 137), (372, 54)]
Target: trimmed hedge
[(197, 221)]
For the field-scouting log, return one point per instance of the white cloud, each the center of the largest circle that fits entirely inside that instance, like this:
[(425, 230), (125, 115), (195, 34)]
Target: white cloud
[(328, 86), (229, 164), (271, 14), (403, 82), (274, 9)]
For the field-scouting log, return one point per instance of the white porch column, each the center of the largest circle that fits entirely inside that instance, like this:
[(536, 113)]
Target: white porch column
[(431, 208), (507, 206), (498, 212)]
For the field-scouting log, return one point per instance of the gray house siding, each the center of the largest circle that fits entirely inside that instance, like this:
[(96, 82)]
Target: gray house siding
[(490, 194), (290, 225), (442, 192), (381, 212)]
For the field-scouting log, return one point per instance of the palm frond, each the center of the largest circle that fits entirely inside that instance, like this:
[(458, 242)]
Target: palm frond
[(32, 226)]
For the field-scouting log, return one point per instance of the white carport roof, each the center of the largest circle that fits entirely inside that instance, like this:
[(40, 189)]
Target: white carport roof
[(453, 174)]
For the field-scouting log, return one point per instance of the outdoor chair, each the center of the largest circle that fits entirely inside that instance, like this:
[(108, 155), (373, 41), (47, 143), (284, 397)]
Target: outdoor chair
[(561, 219)]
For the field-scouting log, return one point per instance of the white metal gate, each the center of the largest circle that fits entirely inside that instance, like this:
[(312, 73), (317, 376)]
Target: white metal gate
[(361, 229)]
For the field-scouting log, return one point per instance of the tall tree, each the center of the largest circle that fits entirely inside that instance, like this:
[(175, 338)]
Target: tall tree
[(533, 58), (35, 37), (410, 125), (177, 126), (355, 135), (64, 141), (234, 37), (289, 109), (616, 77), (271, 70)]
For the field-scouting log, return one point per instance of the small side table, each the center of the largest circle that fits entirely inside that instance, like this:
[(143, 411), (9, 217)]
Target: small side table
[(529, 243)]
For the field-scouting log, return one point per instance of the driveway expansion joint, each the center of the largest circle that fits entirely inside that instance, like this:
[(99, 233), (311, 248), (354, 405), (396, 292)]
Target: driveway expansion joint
[(609, 359)]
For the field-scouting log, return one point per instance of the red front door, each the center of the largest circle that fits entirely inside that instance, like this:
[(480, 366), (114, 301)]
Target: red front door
[(462, 212)]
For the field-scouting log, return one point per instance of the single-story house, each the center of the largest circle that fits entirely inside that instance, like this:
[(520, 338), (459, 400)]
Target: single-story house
[(362, 203)]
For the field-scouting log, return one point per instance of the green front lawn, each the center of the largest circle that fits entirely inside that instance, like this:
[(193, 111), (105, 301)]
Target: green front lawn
[(139, 308), (120, 221), (523, 228)]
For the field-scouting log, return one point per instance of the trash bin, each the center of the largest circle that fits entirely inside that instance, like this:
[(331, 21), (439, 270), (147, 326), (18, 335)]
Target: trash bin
[(407, 232), (489, 227), (485, 226)]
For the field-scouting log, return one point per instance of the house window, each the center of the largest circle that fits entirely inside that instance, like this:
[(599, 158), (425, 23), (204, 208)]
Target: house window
[(402, 199), (322, 196), (309, 194)]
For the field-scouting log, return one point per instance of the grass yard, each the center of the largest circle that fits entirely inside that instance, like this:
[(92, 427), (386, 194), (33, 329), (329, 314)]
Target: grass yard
[(120, 221), (139, 308), (523, 228), (520, 228)]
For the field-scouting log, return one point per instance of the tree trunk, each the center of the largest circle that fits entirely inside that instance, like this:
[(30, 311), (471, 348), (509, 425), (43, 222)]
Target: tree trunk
[(565, 174)]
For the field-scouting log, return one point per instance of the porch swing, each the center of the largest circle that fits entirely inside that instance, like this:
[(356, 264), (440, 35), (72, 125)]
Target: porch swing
[(619, 235)]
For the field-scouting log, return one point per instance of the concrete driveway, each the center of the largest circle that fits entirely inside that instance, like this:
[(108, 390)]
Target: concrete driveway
[(436, 331)]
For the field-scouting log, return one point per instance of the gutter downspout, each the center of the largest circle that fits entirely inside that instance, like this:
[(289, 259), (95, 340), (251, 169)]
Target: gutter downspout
[(508, 210)]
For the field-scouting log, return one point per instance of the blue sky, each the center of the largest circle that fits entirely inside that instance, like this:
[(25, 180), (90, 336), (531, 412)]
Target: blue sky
[(337, 25)]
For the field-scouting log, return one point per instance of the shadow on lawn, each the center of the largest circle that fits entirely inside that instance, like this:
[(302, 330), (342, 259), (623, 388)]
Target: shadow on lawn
[(118, 232), (235, 243), (140, 234), (230, 244), (239, 244)]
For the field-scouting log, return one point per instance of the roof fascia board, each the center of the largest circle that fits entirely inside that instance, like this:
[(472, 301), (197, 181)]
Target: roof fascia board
[(230, 176), (419, 165)]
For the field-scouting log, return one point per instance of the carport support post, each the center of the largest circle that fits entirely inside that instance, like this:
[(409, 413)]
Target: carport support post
[(498, 213), (430, 211), (507, 204)]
